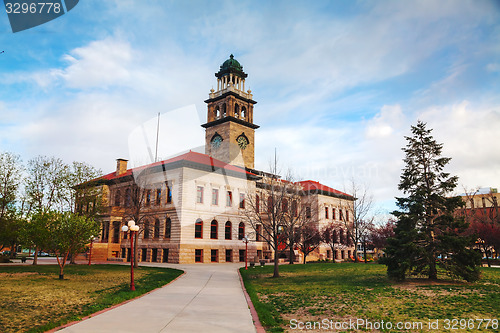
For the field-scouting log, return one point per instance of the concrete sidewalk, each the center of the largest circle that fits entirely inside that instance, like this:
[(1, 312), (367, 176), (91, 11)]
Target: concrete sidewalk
[(208, 298)]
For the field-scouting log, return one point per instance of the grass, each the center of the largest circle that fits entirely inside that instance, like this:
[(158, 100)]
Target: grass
[(343, 292), (33, 299)]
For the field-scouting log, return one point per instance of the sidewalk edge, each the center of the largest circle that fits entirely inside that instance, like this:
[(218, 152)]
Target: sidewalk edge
[(255, 317)]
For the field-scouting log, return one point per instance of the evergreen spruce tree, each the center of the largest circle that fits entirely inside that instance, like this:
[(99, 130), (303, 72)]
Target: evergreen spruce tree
[(427, 233)]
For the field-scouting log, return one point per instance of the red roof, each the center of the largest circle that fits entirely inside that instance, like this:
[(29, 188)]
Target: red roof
[(311, 185), (190, 157)]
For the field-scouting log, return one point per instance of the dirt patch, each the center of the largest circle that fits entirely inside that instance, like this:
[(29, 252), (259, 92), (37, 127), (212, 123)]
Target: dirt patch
[(414, 283), (14, 275)]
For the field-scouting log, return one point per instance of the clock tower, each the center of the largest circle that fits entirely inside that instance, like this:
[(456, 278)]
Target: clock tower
[(229, 131)]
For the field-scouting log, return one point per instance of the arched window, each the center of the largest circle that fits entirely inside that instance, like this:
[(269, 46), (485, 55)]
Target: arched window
[(228, 230), (241, 230), (128, 198), (257, 203), (156, 233), (341, 236), (284, 205), (294, 208), (198, 229), (146, 230), (236, 110), (224, 113), (168, 227), (243, 112), (258, 233), (213, 229), (270, 204), (217, 112)]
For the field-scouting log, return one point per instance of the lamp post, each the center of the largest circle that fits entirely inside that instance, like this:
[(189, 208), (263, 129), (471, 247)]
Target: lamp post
[(245, 240), (133, 230), (92, 240)]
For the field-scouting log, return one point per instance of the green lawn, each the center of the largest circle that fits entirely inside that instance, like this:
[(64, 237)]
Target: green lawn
[(346, 293), (33, 299)]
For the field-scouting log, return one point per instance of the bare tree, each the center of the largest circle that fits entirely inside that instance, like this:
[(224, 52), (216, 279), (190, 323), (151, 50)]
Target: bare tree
[(357, 218), (299, 210), (309, 239), (483, 219), (139, 203), (264, 211), (330, 236), (378, 235)]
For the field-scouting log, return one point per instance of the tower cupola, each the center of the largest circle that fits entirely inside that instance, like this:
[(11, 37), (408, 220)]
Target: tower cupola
[(230, 128)]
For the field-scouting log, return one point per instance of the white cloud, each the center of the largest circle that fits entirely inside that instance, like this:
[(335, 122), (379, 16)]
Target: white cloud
[(469, 133), (98, 64), (384, 123), (493, 67)]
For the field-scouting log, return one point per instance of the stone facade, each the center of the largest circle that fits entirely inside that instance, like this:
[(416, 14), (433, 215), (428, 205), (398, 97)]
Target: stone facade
[(190, 208)]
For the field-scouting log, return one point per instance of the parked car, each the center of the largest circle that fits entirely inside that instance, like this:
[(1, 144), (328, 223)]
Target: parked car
[(42, 254), (7, 253)]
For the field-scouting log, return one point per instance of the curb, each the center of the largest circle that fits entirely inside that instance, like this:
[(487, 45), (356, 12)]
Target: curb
[(255, 317), (110, 308)]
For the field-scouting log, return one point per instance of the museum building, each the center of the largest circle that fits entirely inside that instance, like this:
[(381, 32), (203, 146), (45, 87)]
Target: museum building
[(190, 208)]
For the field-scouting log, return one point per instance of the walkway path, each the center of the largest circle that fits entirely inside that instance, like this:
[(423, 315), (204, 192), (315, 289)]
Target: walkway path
[(208, 298)]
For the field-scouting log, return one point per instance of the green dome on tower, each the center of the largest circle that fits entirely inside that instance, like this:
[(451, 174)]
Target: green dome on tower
[(231, 65)]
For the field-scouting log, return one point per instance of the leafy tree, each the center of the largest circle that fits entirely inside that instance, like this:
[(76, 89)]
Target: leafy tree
[(427, 233), (47, 183), (69, 234), (309, 239), (36, 232), (10, 179)]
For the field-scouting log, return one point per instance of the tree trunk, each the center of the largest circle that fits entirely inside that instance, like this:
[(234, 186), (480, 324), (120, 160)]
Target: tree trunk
[(486, 254), (305, 256), (364, 252), (35, 257), (276, 259), (355, 253), (291, 254), (61, 264), (432, 268)]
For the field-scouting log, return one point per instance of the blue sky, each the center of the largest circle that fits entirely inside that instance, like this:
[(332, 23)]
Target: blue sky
[(338, 83)]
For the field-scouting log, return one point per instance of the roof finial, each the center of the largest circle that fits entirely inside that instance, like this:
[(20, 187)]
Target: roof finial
[(231, 56)]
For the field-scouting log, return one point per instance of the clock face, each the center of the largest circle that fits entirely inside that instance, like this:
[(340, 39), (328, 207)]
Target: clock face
[(216, 141), (242, 141)]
